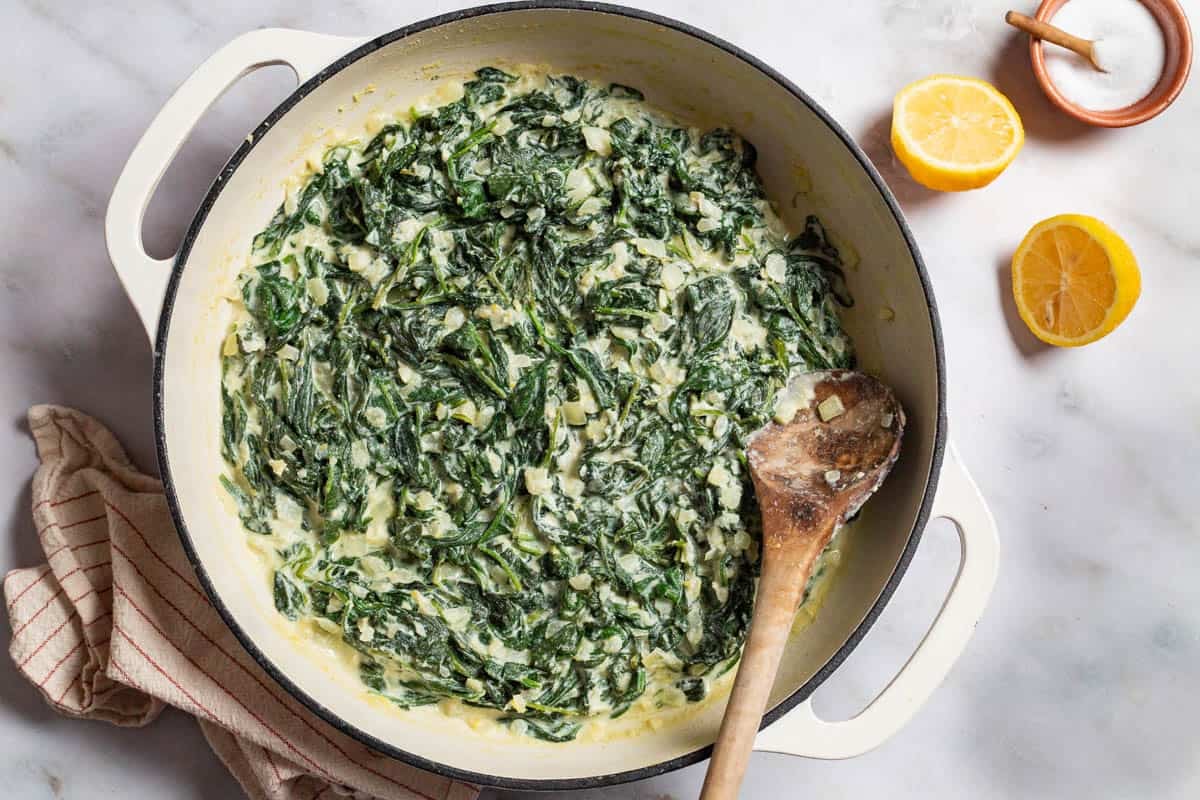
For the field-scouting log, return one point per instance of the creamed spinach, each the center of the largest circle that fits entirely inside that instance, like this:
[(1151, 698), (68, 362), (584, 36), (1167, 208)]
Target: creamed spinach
[(488, 388)]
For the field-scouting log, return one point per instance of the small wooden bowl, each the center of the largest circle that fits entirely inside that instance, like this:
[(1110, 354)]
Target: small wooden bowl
[(1177, 35)]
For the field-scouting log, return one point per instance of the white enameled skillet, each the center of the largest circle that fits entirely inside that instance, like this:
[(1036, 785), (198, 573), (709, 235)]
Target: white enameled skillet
[(804, 156)]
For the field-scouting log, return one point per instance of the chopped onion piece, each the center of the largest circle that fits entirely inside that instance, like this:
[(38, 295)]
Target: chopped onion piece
[(830, 407)]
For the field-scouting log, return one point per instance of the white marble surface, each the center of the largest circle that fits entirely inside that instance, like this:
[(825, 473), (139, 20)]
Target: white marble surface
[(1082, 679)]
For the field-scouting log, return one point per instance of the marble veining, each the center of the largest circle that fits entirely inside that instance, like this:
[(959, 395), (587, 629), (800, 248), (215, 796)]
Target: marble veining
[(1081, 680)]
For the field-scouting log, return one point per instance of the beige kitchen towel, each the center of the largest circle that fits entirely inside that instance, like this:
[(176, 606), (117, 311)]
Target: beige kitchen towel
[(114, 625)]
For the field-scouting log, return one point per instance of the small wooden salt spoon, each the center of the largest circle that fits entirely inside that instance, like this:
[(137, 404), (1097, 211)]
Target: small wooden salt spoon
[(1055, 35), (809, 475)]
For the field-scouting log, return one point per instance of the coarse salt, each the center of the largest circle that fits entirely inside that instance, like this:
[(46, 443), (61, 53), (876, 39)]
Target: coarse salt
[(1129, 46)]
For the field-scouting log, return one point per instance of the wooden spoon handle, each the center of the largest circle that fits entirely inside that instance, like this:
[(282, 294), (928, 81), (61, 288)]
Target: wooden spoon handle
[(780, 588), (1044, 30)]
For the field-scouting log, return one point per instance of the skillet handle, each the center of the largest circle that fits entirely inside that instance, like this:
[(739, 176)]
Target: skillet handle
[(801, 732), (144, 277)]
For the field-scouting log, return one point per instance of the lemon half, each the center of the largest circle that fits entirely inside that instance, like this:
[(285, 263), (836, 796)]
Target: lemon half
[(954, 133), (1074, 280)]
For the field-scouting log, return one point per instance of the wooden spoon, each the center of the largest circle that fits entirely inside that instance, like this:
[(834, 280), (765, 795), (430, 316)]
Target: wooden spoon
[(1055, 35), (809, 475)]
